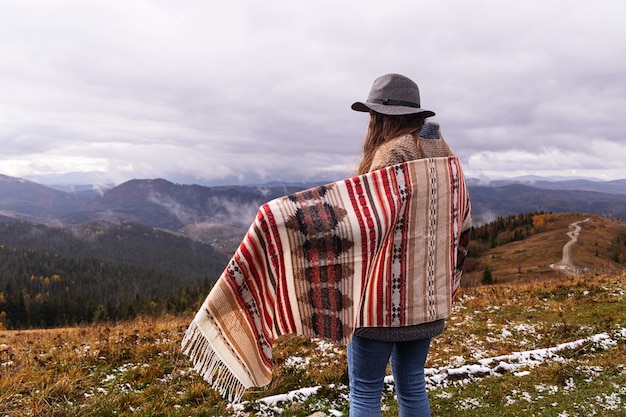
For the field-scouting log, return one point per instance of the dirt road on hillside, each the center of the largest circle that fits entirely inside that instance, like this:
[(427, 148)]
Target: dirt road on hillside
[(566, 263)]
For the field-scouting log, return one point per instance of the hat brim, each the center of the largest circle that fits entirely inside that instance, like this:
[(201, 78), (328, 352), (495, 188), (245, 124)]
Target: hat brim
[(390, 110)]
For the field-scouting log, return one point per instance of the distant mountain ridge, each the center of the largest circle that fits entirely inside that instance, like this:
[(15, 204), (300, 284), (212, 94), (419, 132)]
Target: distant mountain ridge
[(494, 201), (183, 208), (25, 199), (610, 187)]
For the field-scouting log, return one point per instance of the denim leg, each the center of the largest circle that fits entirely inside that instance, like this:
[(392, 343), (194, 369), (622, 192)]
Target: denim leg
[(367, 363), (407, 364)]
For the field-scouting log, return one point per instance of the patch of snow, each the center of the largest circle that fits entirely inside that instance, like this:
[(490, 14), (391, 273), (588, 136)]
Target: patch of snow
[(513, 362), (548, 389), (611, 401), (525, 328), (470, 404), (297, 362), (460, 373), (456, 360), (299, 394)]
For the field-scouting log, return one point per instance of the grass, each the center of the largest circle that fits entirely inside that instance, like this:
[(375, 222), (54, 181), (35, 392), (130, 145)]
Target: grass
[(502, 319), (558, 389), (137, 368)]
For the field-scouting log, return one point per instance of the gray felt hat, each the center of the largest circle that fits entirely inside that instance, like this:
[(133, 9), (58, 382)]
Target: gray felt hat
[(393, 94)]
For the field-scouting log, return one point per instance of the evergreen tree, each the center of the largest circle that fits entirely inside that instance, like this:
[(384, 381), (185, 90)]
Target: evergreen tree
[(487, 277)]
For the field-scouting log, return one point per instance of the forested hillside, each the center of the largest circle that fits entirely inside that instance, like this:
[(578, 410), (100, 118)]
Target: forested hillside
[(525, 247), (128, 243), (98, 271)]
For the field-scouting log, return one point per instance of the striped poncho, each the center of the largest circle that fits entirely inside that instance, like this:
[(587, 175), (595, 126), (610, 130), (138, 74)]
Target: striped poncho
[(380, 249)]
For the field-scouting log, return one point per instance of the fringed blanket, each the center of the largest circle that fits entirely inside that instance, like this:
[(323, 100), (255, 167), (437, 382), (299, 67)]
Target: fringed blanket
[(380, 249)]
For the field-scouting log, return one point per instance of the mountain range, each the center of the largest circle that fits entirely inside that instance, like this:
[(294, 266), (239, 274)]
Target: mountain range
[(610, 187), (153, 246), (223, 213)]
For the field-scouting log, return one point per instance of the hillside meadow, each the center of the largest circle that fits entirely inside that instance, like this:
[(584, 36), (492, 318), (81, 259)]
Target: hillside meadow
[(137, 368), (538, 342), (600, 249)]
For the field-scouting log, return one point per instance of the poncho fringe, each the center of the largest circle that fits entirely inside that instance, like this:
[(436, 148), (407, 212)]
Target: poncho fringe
[(210, 366)]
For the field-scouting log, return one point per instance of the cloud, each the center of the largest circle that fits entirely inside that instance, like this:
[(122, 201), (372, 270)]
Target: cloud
[(197, 89), (589, 161)]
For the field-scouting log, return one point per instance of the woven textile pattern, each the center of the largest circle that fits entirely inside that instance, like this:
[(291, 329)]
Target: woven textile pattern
[(380, 249)]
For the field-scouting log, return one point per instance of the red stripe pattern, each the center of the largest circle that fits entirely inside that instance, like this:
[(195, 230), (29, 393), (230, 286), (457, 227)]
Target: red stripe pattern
[(381, 249)]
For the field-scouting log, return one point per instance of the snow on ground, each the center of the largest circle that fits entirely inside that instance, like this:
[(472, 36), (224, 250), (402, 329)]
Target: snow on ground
[(516, 363), (499, 365)]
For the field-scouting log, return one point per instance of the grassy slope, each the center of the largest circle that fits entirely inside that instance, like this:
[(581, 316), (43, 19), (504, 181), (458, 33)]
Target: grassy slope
[(530, 259), (136, 367)]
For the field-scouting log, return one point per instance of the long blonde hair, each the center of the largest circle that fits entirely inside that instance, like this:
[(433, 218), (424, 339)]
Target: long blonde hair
[(383, 128)]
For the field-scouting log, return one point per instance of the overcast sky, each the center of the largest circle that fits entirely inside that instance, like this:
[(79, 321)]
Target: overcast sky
[(193, 91)]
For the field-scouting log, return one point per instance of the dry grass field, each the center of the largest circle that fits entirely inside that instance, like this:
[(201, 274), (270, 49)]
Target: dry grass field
[(539, 343), (136, 367)]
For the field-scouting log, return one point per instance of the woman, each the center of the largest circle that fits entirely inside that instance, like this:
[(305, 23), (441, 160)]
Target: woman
[(381, 249), (397, 133)]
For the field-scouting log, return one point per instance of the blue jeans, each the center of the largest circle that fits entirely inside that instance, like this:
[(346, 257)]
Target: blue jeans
[(367, 363)]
